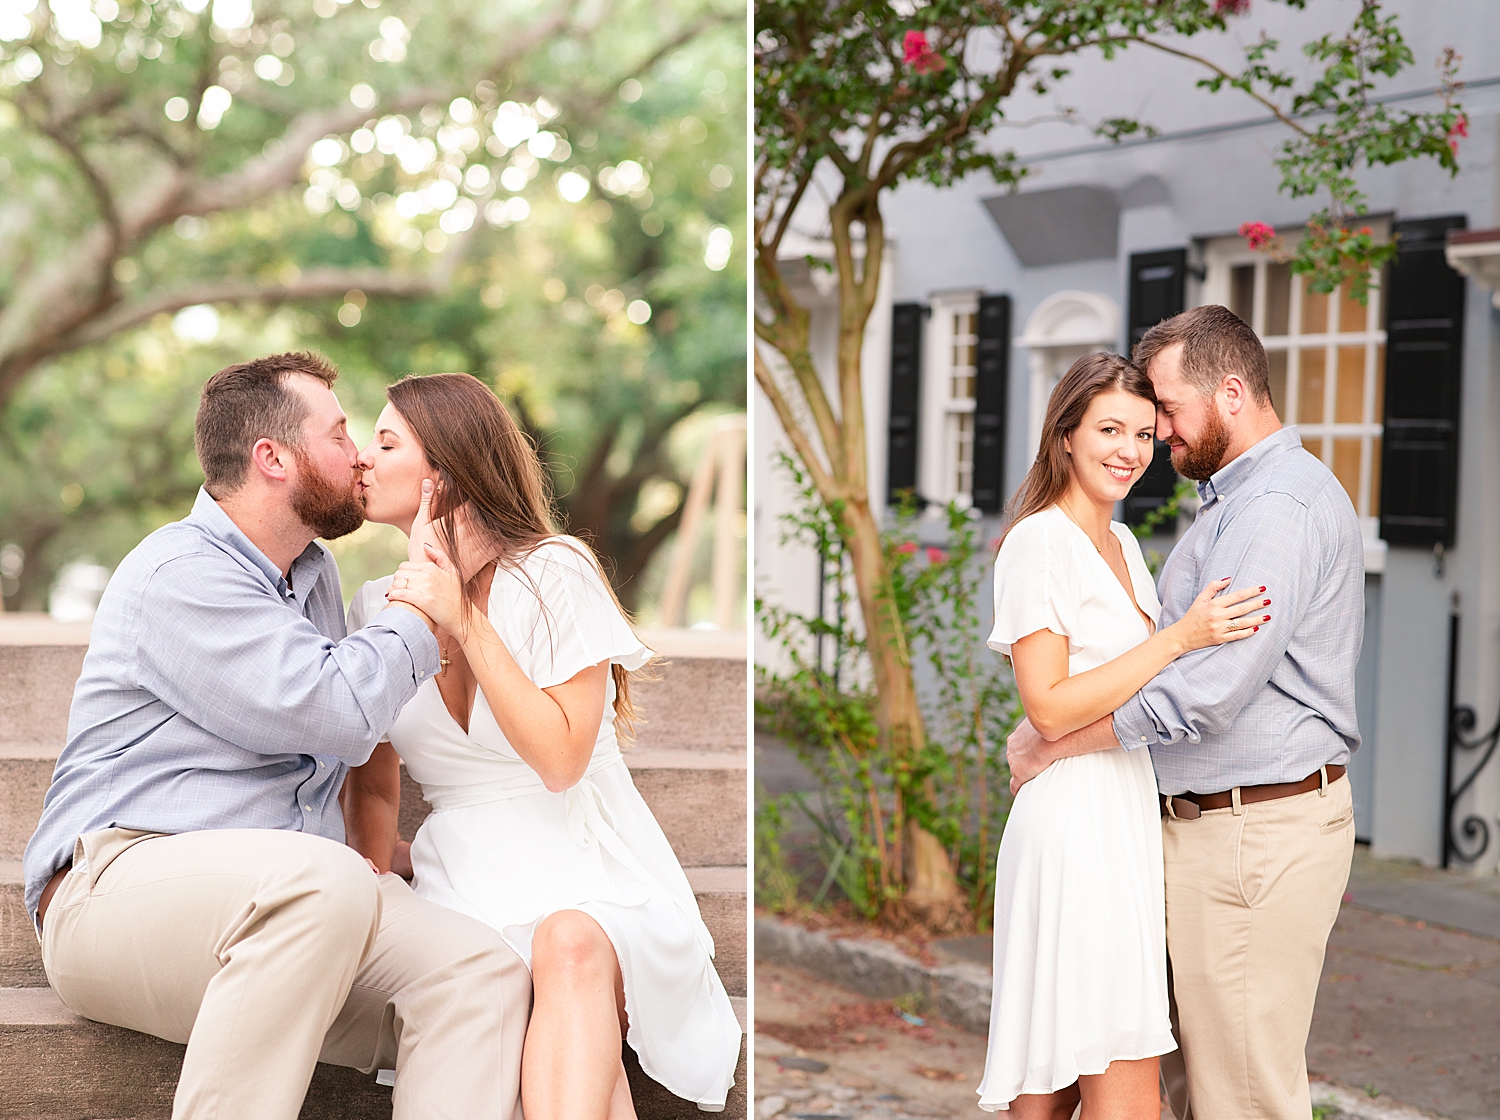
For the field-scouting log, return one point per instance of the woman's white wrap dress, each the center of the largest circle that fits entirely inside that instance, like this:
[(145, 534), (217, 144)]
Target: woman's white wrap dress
[(1080, 912), (502, 848)]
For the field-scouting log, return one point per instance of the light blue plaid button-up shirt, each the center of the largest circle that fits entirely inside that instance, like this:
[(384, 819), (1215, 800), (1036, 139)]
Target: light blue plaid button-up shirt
[(214, 695), (1274, 707)]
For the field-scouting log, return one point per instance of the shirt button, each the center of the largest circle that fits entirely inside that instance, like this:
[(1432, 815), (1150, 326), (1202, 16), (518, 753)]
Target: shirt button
[(307, 808), (1143, 738)]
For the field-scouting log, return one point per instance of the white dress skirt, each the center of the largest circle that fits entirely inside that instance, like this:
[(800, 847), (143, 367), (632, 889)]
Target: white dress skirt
[(1080, 911), (502, 848)]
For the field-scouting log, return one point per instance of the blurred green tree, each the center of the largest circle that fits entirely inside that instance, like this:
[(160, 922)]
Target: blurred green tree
[(540, 196)]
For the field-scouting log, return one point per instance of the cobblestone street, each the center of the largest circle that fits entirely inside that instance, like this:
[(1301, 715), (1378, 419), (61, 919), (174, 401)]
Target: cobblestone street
[(1407, 1022), (875, 1065)]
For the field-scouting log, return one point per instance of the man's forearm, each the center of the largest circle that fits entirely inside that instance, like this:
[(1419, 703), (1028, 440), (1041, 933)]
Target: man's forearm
[(1097, 736), (1028, 754)]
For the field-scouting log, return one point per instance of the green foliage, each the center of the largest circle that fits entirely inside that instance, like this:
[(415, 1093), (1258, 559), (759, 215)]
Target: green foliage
[(957, 787), (833, 79), (404, 237), (776, 885), (1338, 127)]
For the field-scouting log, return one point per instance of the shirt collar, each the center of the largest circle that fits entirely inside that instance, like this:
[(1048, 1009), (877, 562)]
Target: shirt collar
[(1233, 473), (306, 569)]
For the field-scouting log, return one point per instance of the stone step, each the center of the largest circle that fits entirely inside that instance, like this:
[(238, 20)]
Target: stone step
[(699, 798), (63, 1067), (694, 698), (721, 894)]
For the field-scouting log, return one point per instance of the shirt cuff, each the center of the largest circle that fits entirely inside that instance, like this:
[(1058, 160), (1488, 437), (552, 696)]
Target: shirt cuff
[(420, 643), (1131, 725)]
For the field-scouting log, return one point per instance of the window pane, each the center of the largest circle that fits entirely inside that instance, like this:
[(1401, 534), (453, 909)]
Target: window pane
[(1242, 291), (1277, 360), (1346, 467), (1314, 310), (1278, 298), (1374, 509), (1353, 315), (1349, 403), (963, 453), (1310, 386)]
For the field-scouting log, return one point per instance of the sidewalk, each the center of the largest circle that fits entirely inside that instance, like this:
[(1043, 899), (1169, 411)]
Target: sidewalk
[(1407, 1022)]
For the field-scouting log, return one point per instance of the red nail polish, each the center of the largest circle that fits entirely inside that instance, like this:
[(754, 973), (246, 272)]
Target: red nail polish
[(1266, 619), (1255, 630), (1262, 588), (1266, 603)]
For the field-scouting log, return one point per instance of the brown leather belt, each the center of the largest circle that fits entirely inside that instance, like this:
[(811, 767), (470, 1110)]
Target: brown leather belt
[(1187, 806)]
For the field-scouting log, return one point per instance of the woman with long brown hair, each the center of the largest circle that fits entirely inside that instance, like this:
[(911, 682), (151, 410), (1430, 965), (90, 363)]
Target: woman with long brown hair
[(536, 827), (1079, 1005)]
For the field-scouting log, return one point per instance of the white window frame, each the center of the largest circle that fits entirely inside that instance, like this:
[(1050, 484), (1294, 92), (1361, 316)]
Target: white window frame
[(944, 416), (1220, 257)]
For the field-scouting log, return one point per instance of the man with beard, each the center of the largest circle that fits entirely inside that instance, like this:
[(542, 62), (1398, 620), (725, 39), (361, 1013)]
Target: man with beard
[(1249, 740), (188, 877)]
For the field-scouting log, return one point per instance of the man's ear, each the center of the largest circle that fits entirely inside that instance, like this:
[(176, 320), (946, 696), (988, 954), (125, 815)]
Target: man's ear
[(270, 460), (1236, 393)]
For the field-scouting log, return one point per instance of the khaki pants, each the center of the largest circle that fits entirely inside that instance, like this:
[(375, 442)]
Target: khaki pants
[(267, 951), (1251, 898)]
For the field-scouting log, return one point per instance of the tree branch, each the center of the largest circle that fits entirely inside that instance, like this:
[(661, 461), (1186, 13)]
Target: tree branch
[(1233, 79), (805, 450), (318, 283)]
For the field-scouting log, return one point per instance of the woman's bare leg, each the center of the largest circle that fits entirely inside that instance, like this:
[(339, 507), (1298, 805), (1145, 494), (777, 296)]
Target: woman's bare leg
[(1045, 1106), (1125, 1091), (571, 1068)]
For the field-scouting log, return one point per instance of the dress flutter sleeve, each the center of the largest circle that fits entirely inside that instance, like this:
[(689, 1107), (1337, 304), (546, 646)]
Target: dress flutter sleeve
[(1034, 586), (579, 624)]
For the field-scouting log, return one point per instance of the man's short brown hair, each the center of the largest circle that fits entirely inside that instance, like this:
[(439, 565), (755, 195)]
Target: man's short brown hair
[(249, 402), (1215, 342)]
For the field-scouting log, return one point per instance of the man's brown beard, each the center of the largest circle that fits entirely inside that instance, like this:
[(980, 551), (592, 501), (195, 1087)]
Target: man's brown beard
[(324, 507), (1200, 460)]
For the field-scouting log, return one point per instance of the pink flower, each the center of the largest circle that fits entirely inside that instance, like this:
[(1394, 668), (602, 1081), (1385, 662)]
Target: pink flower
[(1460, 128), (1231, 7), (908, 547), (1257, 234), (936, 556), (919, 53)]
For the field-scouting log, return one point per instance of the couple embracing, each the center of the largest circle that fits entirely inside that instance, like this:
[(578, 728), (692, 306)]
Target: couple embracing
[(1182, 829), (190, 876)]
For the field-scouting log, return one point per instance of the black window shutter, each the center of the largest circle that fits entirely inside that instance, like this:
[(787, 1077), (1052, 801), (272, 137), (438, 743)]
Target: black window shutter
[(1158, 290), (1423, 381), (992, 376), (906, 393)]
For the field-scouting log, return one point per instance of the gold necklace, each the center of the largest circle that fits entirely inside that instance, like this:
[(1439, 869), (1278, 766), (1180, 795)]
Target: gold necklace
[(443, 661), (1069, 515)]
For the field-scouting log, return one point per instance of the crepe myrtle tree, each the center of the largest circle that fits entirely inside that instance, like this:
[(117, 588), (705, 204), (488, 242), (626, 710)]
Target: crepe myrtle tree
[(854, 99), (135, 118)]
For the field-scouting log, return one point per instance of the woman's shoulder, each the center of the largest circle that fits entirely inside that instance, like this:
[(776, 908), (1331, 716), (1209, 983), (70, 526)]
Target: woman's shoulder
[(559, 556), (558, 565), (1034, 531)]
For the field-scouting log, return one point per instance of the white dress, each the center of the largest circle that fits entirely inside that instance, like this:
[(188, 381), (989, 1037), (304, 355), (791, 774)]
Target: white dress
[(502, 848), (1080, 911)]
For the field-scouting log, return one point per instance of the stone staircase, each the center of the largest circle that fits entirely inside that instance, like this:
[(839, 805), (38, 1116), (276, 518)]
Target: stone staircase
[(689, 762)]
